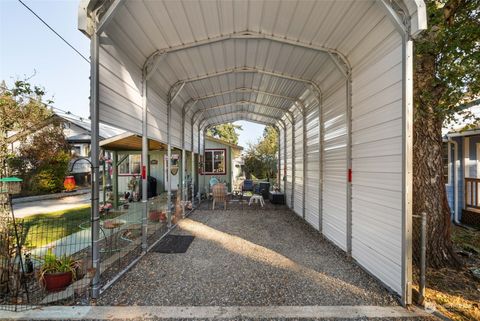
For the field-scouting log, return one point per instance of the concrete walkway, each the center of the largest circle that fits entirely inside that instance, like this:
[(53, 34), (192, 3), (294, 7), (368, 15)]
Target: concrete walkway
[(218, 313), (44, 206)]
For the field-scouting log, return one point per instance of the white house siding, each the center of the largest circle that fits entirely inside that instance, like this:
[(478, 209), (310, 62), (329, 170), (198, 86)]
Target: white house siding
[(312, 179), (377, 154)]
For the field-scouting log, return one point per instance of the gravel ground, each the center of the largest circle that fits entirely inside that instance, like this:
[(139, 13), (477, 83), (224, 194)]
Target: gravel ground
[(262, 257)]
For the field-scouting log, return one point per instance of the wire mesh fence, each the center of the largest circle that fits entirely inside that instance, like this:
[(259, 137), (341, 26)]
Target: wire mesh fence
[(48, 260), (43, 261)]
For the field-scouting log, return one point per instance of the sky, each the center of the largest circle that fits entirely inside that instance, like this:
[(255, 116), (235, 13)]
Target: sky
[(29, 49)]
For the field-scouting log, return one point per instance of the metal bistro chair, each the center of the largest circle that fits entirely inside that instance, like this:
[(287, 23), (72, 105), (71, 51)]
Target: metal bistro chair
[(219, 195)]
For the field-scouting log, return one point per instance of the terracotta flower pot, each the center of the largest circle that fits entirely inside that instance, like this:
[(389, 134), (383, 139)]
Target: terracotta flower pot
[(163, 217), (154, 216), (54, 282)]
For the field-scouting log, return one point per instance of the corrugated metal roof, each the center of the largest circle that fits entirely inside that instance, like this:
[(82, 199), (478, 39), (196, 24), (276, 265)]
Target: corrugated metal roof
[(234, 49), (239, 51)]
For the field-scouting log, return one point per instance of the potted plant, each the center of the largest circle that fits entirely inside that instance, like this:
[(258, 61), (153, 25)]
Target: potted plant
[(154, 215), (57, 273), (105, 208)]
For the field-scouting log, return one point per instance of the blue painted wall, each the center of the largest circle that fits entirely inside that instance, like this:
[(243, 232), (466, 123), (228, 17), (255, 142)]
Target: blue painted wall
[(460, 165)]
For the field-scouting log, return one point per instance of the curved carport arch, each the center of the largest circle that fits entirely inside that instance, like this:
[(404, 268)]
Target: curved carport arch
[(375, 120), (297, 103)]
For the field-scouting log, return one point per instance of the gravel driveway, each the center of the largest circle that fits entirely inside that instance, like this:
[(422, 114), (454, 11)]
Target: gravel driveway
[(262, 257)]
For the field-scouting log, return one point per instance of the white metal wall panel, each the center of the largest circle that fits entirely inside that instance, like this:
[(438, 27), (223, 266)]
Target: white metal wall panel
[(120, 91), (312, 179), (299, 155), (289, 165), (188, 134), (335, 166), (176, 127), (377, 159), (157, 116)]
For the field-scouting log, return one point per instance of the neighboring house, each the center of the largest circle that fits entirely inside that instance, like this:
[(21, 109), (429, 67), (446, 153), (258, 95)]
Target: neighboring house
[(461, 152), (221, 160), (77, 134)]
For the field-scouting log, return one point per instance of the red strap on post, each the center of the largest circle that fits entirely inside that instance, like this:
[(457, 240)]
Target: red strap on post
[(144, 172), (349, 175)]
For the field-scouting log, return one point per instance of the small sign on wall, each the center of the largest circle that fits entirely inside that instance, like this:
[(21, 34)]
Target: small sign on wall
[(154, 162)]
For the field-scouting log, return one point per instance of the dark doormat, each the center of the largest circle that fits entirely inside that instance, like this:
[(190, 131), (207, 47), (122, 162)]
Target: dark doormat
[(174, 244)]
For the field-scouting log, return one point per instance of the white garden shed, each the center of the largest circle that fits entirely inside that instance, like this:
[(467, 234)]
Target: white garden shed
[(335, 78)]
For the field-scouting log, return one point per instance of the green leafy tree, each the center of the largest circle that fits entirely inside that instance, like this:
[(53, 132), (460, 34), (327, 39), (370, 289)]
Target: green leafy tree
[(447, 73), (261, 158), (226, 132), (42, 157)]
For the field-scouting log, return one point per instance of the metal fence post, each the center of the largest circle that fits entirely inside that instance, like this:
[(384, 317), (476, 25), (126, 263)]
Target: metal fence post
[(423, 258)]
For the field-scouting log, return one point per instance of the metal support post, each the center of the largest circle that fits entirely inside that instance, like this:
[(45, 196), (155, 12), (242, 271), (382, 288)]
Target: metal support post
[(94, 116), (115, 179), (305, 158), (285, 161), (144, 167), (104, 180), (292, 201), (193, 178), (321, 160), (348, 85), (407, 170), (279, 165), (184, 181), (169, 170)]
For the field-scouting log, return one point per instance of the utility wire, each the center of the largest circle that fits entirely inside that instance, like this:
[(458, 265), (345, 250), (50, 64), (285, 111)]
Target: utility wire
[(53, 30)]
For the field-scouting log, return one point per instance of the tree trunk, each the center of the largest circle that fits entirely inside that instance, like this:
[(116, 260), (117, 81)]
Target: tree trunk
[(429, 194)]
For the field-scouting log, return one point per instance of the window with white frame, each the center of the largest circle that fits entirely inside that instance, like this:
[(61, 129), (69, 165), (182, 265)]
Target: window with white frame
[(131, 165), (214, 161)]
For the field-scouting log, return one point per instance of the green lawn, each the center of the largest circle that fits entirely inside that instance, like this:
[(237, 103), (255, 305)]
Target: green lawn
[(42, 229)]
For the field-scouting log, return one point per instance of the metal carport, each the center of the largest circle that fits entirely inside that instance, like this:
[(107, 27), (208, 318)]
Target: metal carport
[(333, 76)]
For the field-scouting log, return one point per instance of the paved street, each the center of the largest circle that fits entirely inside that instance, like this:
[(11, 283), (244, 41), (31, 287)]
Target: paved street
[(50, 205)]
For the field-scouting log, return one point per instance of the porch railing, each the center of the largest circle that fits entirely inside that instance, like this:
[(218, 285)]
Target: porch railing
[(471, 193)]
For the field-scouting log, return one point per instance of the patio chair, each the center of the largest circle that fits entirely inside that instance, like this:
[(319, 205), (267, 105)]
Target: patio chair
[(248, 186), (219, 195)]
